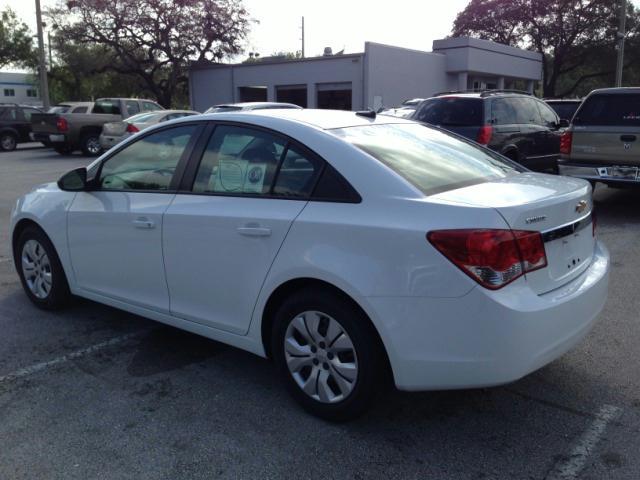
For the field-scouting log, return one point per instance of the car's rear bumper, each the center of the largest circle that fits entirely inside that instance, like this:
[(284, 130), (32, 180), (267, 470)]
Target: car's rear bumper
[(602, 172), (108, 141), (487, 337)]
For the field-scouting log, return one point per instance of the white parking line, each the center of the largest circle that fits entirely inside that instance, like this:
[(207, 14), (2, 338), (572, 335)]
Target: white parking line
[(38, 367), (570, 467)]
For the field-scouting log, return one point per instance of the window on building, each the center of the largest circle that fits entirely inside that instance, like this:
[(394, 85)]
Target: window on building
[(334, 95), (296, 94), (32, 92), (9, 92)]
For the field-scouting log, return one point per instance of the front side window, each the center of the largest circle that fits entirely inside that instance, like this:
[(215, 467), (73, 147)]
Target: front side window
[(429, 159), (239, 160), (547, 114), (148, 163)]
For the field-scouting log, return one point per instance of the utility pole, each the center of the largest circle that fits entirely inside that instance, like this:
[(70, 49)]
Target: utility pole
[(44, 86), (302, 37), (622, 19)]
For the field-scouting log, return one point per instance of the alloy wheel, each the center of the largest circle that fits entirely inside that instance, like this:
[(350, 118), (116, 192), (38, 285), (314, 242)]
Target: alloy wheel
[(321, 357), (93, 145), (8, 142), (36, 269)]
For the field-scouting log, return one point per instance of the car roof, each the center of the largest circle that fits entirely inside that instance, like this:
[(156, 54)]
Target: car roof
[(618, 90), (563, 100), (257, 105), (323, 119)]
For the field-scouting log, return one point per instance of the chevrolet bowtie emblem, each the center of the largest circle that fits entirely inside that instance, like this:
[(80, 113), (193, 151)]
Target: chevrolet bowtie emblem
[(581, 206)]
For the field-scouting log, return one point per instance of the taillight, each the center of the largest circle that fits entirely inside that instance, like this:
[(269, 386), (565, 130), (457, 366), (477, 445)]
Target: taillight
[(61, 124), (565, 142), (492, 257), (484, 135), (131, 128)]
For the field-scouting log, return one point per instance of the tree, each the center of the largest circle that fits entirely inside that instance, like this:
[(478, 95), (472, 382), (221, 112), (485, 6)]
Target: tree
[(575, 37), (154, 40), (16, 44)]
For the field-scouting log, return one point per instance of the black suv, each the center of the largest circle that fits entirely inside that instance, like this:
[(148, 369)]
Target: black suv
[(517, 125), (15, 125)]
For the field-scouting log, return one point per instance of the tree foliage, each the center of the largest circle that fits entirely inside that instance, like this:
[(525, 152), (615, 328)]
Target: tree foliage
[(154, 40), (575, 37), (16, 44)]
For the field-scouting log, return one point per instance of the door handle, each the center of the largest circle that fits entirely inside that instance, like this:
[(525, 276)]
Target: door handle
[(628, 138), (143, 222), (251, 231)]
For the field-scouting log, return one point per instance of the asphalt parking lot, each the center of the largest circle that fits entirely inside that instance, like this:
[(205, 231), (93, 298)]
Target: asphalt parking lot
[(95, 393)]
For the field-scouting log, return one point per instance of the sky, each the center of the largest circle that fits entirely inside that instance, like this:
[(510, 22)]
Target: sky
[(328, 23), (339, 24)]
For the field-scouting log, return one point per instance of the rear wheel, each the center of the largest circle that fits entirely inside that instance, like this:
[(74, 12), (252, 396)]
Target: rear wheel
[(8, 141), (90, 144), (328, 354), (40, 270)]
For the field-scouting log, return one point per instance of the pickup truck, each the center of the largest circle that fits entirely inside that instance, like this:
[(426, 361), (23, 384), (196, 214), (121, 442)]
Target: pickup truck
[(15, 124), (67, 132)]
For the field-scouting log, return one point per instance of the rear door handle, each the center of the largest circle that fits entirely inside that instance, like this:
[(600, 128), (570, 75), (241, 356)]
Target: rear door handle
[(251, 231), (628, 138), (143, 222)]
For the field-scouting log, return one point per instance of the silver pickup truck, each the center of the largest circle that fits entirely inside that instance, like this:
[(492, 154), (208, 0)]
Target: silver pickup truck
[(603, 142), (67, 132)]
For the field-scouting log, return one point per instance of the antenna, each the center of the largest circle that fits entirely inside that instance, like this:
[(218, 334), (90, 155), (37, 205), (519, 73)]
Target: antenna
[(302, 27)]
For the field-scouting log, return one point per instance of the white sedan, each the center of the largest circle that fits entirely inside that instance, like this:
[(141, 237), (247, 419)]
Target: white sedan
[(344, 246)]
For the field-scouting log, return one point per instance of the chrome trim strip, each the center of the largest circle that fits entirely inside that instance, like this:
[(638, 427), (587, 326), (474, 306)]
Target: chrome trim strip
[(566, 229)]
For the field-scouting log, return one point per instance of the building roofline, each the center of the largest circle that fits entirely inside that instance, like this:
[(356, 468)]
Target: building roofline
[(208, 64)]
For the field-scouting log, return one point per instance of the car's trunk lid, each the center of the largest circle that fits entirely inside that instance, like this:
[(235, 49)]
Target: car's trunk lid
[(558, 207), (114, 128)]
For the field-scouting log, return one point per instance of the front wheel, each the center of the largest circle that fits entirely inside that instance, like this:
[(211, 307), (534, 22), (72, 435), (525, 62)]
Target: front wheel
[(8, 142), (328, 354), (40, 270)]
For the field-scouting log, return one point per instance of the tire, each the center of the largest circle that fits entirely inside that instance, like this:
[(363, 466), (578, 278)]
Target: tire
[(90, 144), (8, 141), (333, 395), (36, 261)]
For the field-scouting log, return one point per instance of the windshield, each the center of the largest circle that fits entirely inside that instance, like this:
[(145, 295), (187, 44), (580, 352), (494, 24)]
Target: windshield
[(430, 159), (143, 117), (451, 112)]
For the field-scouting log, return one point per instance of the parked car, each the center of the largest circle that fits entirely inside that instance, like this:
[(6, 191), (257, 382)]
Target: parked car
[(519, 126), (234, 107), (603, 142), (72, 107), (68, 132), (114, 132), (271, 231), (564, 107), (15, 124), (405, 110)]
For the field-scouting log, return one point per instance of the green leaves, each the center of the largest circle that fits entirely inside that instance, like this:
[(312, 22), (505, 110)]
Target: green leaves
[(16, 44)]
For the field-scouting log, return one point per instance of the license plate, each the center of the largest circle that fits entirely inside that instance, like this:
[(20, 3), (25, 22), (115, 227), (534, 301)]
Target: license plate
[(627, 173)]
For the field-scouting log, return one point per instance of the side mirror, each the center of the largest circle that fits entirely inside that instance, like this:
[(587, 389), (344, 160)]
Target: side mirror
[(74, 181), (564, 123)]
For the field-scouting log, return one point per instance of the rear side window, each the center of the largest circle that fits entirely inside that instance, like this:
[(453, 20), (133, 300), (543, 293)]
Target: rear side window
[(8, 113), (503, 112), (79, 110), (132, 107), (429, 159), (451, 111), (526, 111), (610, 109), (111, 107)]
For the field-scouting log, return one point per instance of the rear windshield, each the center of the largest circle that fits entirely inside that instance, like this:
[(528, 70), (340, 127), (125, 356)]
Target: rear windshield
[(107, 106), (610, 109), (451, 112), (223, 108), (59, 109), (431, 160)]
